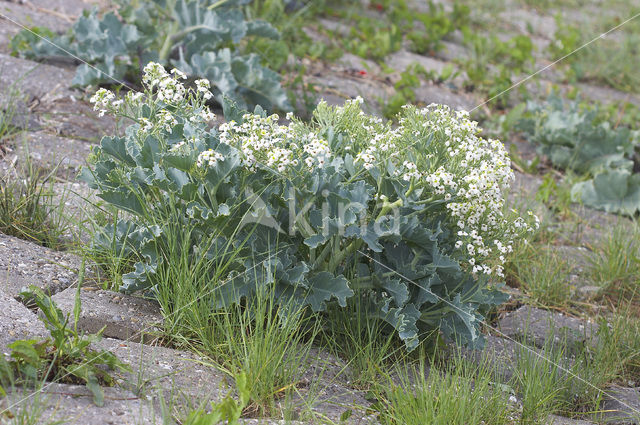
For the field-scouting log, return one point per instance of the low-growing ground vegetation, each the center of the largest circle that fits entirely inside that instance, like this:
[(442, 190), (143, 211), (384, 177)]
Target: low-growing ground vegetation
[(358, 263)]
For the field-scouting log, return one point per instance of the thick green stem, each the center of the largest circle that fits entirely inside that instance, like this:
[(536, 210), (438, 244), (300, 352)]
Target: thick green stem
[(174, 37), (411, 187), (325, 252), (388, 206), (340, 256), (167, 45)]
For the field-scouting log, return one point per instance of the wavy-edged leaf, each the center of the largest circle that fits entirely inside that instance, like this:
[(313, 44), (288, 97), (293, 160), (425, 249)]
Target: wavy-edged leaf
[(324, 286), (615, 191)]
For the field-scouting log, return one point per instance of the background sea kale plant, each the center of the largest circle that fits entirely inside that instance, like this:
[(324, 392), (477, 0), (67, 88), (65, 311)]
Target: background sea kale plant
[(318, 212), (205, 38), (577, 139)]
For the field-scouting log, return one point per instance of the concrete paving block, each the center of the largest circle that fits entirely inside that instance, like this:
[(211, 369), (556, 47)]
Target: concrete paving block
[(178, 376), (17, 322), (73, 405), (561, 420), (23, 263), (621, 406), (122, 316), (50, 151), (539, 326)]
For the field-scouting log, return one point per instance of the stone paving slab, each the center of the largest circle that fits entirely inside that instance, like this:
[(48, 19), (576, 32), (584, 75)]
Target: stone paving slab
[(440, 93), (72, 8), (73, 405), (28, 15), (20, 115), (172, 374), (500, 354), (621, 406), (17, 322), (124, 317), (32, 79), (358, 63), (23, 263), (539, 326), (328, 375), (49, 151), (451, 51), (524, 19), (402, 59), (560, 420), (78, 205), (522, 196), (67, 115)]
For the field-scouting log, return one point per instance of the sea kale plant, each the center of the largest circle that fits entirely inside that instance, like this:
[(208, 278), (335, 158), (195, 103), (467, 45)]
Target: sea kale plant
[(347, 205), (576, 138), (205, 38)]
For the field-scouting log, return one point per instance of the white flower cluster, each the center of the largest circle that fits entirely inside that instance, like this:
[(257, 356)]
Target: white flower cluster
[(103, 101), (453, 164), (280, 147), (209, 158), (473, 177), (178, 147), (203, 87), (188, 104), (166, 120), (410, 171), (168, 87)]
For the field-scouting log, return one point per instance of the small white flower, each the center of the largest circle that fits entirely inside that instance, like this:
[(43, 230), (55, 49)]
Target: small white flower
[(179, 74)]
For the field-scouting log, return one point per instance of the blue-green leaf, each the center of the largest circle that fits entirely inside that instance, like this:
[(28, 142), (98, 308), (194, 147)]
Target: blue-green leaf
[(324, 286)]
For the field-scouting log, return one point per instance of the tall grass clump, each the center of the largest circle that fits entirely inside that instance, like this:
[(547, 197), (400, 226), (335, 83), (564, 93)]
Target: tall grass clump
[(461, 394), (542, 274), (28, 209), (367, 345), (615, 261)]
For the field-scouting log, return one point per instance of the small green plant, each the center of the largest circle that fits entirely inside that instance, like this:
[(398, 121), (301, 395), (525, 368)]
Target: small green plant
[(570, 380), (369, 40), (615, 260), (261, 338), (575, 138), (492, 63), (437, 24), (566, 40), (541, 383), (620, 335), (33, 412), (607, 61), (7, 113), (66, 356), (405, 89), (556, 195), (204, 37), (228, 410), (27, 209), (270, 346), (542, 274), (462, 394)]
